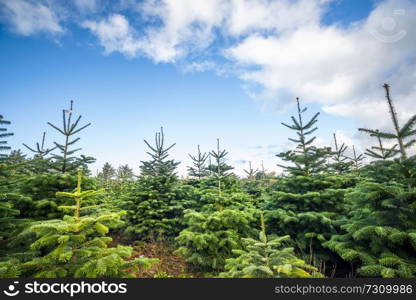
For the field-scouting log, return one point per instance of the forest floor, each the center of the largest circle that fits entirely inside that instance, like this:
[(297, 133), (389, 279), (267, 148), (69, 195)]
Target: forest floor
[(169, 265)]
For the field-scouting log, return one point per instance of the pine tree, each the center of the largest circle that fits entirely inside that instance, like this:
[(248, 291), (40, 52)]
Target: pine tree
[(152, 207), (199, 169), (4, 134), (40, 163), (307, 159), (39, 199), (220, 169), (400, 133), (262, 174), (383, 153), (379, 237), (18, 161), (356, 159), (77, 246), (307, 209), (210, 237), (341, 162), (66, 162), (40, 149), (106, 176), (124, 173), (267, 258), (7, 218), (159, 165), (251, 173)]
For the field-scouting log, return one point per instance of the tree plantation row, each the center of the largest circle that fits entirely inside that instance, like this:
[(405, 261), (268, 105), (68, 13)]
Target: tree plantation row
[(327, 215)]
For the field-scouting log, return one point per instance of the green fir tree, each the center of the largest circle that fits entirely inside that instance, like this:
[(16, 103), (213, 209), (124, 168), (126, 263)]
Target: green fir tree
[(341, 163), (219, 169), (66, 161), (199, 169), (404, 135), (159, 164), (267, 258), (306, 159), (77, 245), (3, 135)]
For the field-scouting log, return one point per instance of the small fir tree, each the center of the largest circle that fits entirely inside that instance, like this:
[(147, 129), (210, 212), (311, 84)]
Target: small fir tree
[(380, 152), (199, 168), (379, 237), (341, 163), (251, 173), (4, 134), (159, 164), (357, 160), (77, 246), (124, 173), (7, 219), (40, 150), (267, 258), (219, 169), (307, 159), (210, 237), (124, 176), (40, 163), (106, 176)]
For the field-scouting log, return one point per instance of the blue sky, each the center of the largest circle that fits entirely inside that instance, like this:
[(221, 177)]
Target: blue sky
[(133, 66)]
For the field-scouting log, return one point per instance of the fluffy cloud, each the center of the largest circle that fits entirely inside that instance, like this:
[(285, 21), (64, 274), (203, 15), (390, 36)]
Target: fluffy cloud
[(115, 34), (341, 68), (248, 16), (29, 17), (177, 28)]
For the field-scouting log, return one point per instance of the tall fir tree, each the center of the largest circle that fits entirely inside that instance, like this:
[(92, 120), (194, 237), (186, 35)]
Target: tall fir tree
[(151, 203), (404, 135), (306, 203), (307, 159), (66, 161), (3, 135)]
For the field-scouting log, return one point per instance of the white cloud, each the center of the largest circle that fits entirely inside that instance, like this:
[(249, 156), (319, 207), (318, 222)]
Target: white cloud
[(341, 68), (29, 17), (187, 25), (246, 16), (115, 34), (86, 5)]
